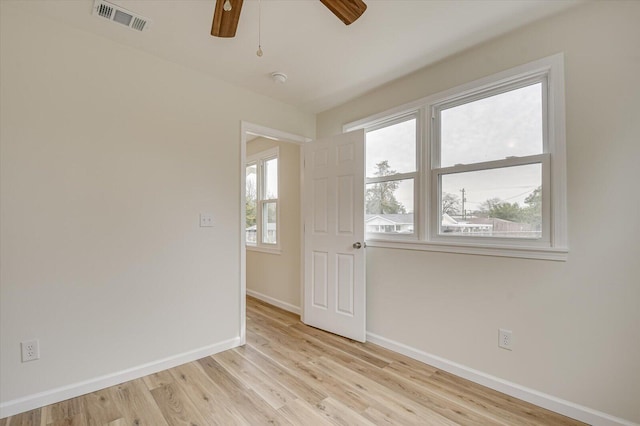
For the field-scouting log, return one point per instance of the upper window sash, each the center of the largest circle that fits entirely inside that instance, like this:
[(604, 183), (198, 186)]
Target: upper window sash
[(392, 121), (449, 100), (266, 182), (437, 106)]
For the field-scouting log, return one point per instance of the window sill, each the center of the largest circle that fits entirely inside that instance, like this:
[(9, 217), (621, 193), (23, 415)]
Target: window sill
[(539, 253), (268, 250)]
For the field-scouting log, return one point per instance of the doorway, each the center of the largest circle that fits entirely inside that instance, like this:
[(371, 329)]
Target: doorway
[(271, 221)]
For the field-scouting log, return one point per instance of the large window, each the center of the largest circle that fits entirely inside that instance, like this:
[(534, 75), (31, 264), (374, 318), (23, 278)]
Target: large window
[(476, 169), (261, 226), (490, 162)]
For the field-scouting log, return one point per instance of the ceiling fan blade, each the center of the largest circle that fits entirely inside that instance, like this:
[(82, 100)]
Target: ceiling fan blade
[(346, 10), (225, 22)]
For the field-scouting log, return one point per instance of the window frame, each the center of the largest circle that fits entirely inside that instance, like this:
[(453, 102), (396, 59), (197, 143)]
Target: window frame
[(259, 159), (554, 243), (415, 175)]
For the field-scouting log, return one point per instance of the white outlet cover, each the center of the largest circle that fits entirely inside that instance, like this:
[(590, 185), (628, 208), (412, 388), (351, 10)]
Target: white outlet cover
[(30, 350), (505, 339), (206, 220)]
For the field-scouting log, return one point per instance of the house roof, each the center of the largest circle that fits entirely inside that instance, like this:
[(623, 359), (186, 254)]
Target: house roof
[(395, 219), (448, 220)]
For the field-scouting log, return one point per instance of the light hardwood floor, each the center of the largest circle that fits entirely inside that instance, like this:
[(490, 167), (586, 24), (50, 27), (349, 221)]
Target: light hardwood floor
[(291, 374)]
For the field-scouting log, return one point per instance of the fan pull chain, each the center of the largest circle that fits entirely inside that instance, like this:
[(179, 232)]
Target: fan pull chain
[(259, 52)]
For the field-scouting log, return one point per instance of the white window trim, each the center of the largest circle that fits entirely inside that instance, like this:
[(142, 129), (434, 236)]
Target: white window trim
[(259, 159), (556, 246)]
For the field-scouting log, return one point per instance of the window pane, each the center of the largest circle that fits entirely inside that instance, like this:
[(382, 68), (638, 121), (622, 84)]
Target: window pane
[(251, 199), (269, 214), (271, 179), (505, 202), (493, 128), (389, 207), (391, 149)]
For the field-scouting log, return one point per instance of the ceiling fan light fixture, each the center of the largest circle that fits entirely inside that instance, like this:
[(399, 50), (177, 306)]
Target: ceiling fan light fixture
[(227, 6), (279, 77)]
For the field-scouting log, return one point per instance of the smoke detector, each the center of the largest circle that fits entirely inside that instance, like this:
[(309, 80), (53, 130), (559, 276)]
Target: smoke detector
[(120, 15), (279, 77)]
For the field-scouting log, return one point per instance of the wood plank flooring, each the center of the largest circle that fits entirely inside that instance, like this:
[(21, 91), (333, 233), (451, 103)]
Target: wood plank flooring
[(291, 374)]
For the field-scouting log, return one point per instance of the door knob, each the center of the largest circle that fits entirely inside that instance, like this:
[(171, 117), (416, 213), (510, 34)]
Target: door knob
[(357, 245)]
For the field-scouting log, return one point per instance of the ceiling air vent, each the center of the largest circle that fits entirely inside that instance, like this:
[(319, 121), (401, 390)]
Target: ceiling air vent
[(120, 15)]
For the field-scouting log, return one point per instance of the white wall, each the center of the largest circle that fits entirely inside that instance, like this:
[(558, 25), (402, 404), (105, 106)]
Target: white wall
[(277, 276), (109, 155), (576, 323)]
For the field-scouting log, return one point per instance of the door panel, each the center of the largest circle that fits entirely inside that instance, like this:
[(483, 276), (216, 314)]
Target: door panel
[(334, 288), (320, 198), (320, 266), (345, 283), (345, 205)]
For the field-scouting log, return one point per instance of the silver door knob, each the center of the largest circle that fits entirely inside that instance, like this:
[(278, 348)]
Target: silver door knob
[(357, 245)]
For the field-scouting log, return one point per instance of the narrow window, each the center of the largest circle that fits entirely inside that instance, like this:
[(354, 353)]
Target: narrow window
[(261, 227), (251, 197), (391, 178)]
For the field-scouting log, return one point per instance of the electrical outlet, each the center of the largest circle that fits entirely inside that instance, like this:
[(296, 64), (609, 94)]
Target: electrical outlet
[(30, 350), (206, 220), (505, 339)]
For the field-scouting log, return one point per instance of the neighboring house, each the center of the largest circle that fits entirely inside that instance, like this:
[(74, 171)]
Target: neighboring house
[(403, 223), (252, 236), (505, 228), (396, 223), (490, 226), (449, 224)]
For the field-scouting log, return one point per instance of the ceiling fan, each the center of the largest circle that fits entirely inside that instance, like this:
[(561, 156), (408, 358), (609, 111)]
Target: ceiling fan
[(227, 14)]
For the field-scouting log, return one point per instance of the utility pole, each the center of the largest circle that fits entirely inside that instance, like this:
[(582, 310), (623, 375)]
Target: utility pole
[(464, 212)]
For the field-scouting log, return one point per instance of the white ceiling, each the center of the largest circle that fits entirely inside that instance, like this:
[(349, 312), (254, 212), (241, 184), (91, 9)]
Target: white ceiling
[(327, 62)]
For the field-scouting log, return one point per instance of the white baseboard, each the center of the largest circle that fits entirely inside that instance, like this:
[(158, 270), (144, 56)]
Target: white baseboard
[(275, 302), (52, 396), (566, 408)]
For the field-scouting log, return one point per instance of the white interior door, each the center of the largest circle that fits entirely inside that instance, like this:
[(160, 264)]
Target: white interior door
[(334, 255)]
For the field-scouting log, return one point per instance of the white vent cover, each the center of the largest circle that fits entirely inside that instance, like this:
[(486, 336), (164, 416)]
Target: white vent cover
[(120, 15)]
